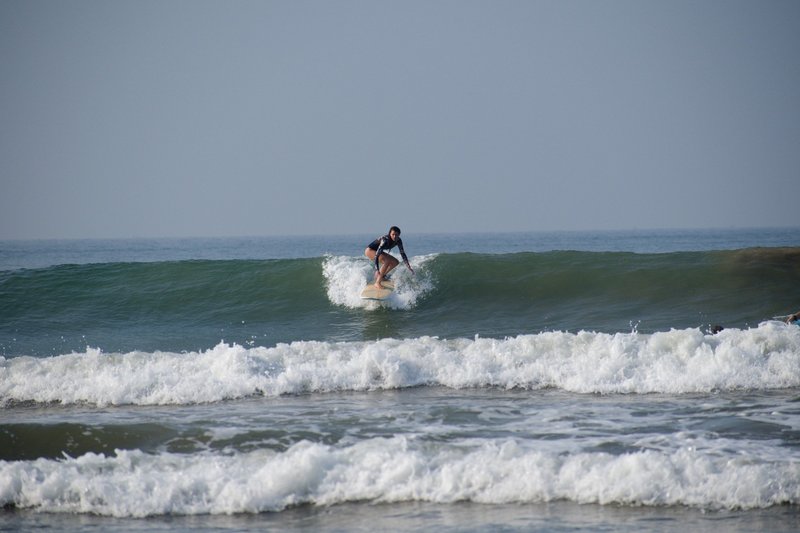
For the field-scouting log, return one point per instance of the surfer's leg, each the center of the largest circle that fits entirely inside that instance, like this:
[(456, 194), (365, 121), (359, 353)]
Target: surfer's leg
[(370, 253), (387, 264)]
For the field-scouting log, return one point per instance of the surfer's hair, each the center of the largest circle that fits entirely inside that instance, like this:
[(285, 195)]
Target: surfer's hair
[(395, 228)]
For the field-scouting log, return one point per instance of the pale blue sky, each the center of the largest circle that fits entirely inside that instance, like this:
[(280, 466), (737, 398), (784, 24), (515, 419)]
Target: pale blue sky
[(197, 118)]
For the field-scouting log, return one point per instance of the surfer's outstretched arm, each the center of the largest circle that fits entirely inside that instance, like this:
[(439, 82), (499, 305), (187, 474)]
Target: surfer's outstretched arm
[(403, 255)]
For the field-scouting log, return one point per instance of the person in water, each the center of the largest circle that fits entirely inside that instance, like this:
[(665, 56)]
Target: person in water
[(385, 262), (794, 319)]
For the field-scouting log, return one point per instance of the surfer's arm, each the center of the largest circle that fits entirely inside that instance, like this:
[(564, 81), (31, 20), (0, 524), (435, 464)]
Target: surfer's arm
[(403, 255)]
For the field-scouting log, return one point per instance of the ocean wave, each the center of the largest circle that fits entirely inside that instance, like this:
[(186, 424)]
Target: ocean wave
[(189, 305), (396, 469), (675, 361)]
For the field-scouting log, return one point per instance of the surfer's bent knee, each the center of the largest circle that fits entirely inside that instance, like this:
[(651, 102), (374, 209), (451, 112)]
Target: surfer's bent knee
[(390, 260)]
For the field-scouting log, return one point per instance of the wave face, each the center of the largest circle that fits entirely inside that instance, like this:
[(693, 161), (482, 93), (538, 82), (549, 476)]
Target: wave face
[(677, 361), (192, 305)]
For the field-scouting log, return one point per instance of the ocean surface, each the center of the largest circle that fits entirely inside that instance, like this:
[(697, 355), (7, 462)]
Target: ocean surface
[(517, 382)]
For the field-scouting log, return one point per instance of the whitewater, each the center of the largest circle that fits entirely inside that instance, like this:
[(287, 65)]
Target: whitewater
[(676, 362)]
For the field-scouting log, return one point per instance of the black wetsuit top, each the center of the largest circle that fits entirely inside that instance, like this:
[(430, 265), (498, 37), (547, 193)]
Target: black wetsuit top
[(381, 244)]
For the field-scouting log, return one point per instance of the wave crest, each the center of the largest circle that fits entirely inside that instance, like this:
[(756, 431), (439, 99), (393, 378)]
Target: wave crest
[(398, 469), (675, 361)]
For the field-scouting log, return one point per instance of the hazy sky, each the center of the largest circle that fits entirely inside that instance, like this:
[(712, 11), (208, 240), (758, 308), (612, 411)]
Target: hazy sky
[(199, 118)]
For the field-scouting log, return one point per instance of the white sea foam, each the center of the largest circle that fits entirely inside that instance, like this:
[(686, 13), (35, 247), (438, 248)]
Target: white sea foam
[(398, 469), (347, 276), (676, 361)]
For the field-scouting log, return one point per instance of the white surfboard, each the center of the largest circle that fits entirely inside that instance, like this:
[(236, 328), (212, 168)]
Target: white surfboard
[(371, 293)]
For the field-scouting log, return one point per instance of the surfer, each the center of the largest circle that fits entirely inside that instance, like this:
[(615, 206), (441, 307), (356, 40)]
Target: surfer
[(385, 262), (793, 319)]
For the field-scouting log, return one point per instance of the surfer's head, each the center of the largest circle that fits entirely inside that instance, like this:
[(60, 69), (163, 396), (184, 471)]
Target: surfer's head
[(396, 230)]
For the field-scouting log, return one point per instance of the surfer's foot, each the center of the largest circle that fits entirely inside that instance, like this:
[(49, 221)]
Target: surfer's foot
[(378, 285)]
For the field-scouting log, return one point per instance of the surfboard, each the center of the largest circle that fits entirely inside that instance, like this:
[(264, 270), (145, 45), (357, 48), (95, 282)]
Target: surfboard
[(371, 293)]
